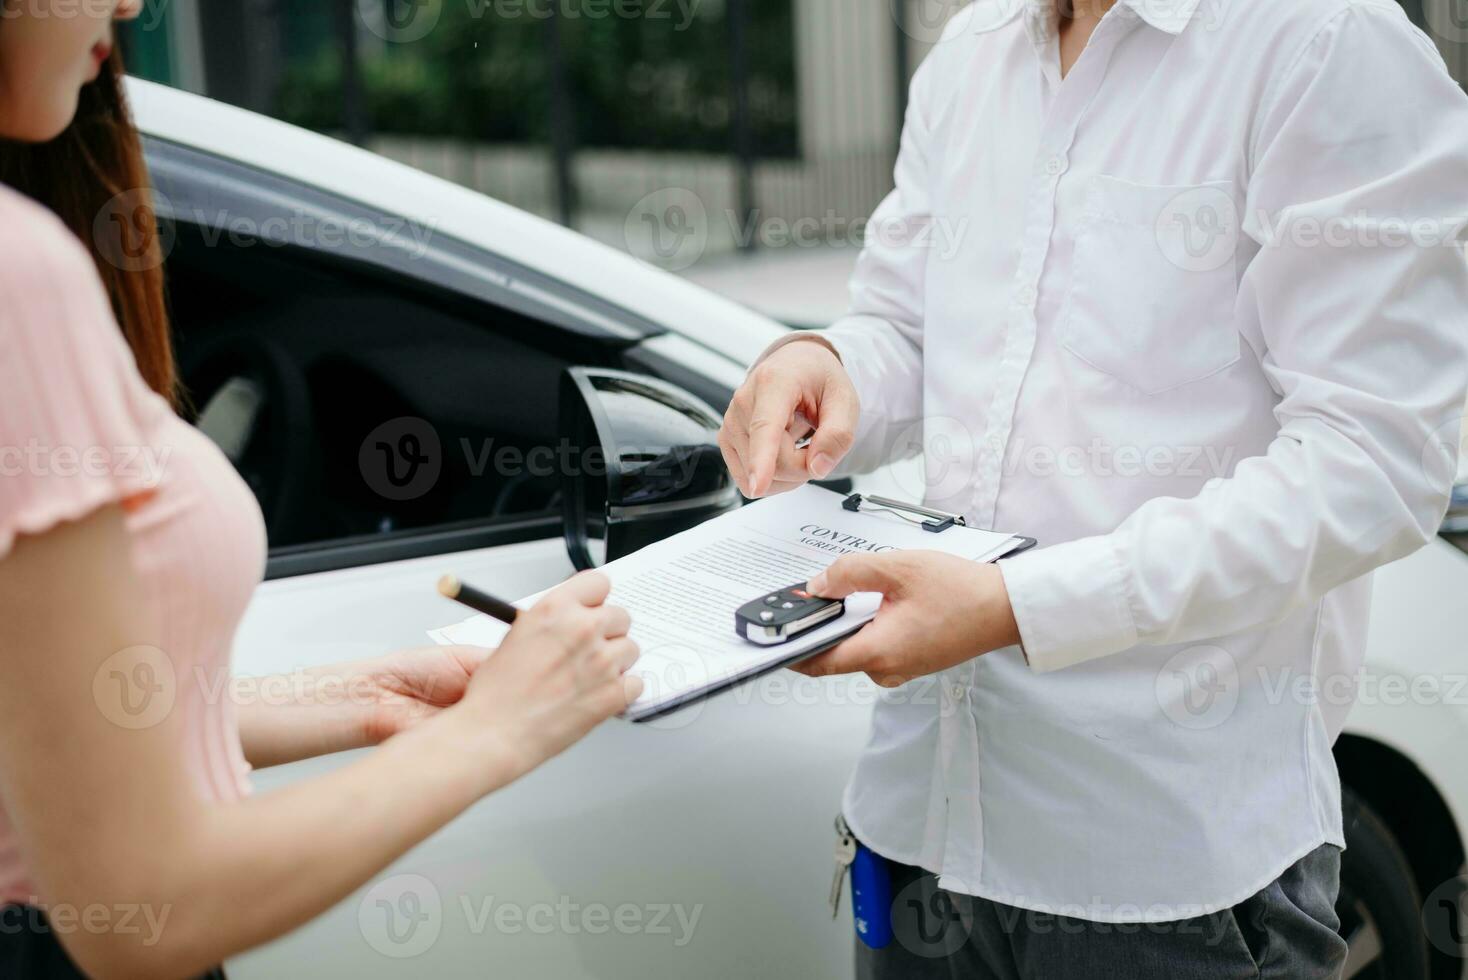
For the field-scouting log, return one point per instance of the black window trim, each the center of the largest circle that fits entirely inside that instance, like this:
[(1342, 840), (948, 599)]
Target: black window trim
[(380, 549), (202, 189)]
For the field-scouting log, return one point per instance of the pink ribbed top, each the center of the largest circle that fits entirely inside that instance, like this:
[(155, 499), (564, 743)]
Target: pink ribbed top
[(79, 430)]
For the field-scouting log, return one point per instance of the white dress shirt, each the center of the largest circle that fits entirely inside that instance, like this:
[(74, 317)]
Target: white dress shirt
[(1194, 316)]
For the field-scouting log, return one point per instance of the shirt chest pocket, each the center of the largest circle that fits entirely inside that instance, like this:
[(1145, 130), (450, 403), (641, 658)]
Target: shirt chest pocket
[(1153, 285)]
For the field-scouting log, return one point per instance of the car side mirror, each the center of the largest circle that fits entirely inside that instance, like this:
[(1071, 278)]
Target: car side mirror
[(644, 463), (1456, 521)]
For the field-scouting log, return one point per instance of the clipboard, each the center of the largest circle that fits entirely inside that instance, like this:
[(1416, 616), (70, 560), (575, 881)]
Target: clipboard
[(936, 521), (930, 519)]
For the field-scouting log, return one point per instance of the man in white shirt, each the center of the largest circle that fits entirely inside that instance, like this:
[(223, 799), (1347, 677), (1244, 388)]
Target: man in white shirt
[(1202, 333)]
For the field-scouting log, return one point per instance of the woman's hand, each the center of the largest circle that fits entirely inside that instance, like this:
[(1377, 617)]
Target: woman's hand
[(403, 688), (345, 706), (560, 672), (336, 707)]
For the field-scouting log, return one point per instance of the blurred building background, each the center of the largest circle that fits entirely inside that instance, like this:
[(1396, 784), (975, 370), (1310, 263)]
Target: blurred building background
[(766, 111), (777, 119)]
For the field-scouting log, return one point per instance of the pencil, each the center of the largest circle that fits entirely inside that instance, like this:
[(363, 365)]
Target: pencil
[(483, 602)]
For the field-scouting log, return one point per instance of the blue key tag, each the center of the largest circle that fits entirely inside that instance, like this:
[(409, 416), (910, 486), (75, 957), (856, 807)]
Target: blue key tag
[(871, 897)]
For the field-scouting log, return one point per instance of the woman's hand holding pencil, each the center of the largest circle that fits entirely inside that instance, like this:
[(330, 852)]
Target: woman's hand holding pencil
[(560, 672)]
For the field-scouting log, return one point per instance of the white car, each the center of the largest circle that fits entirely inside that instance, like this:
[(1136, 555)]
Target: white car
[(325, 299)]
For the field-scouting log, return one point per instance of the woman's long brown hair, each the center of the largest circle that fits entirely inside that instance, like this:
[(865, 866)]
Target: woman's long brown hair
[(93, 176)]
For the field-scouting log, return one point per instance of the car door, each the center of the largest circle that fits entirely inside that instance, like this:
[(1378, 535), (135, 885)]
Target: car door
[(384, 403)]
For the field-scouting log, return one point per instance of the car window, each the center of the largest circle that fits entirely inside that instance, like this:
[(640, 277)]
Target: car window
[(376, 410)]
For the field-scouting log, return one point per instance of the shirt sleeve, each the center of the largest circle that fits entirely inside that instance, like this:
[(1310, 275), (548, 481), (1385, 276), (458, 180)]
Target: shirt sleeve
[(75, 413), (1363, 340), (880, 340)]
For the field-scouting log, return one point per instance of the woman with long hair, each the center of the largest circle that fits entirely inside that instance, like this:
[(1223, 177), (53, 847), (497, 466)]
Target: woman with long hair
[(130, 845)]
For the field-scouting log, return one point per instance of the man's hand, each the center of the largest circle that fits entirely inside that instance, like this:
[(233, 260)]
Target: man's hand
[(937, 611), (799, 385)]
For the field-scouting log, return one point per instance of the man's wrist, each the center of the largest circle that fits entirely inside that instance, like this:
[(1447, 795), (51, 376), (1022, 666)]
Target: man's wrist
[(796, 337), (1000, 628)]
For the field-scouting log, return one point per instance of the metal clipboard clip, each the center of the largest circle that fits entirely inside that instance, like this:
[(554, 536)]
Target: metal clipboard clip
[(936, 521)]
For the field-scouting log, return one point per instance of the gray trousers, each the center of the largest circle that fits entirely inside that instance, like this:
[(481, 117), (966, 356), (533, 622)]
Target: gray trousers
[(1288, 930)]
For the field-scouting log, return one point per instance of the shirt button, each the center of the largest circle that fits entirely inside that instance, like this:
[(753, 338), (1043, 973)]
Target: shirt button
[(1056, 165), (955, 691), (1026, 295)]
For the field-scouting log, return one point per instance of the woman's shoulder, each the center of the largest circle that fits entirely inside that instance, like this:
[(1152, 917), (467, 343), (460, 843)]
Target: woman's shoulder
[(50, 292), (37, 246), (57, 326)]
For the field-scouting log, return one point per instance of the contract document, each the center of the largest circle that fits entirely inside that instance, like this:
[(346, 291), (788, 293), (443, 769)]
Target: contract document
[(683, 591)]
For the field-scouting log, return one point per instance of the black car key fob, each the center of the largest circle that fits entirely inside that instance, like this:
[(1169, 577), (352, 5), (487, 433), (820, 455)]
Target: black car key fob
[(776, 617)]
